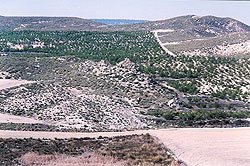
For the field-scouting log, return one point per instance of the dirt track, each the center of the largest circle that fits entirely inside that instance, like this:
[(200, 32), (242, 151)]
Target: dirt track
[(6, 118), (199, 147), (8, 83)]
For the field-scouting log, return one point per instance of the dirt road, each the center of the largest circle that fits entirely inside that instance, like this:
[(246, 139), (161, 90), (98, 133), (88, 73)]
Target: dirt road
[(7, 118), (155, 32), (196, 147), (8, 83)]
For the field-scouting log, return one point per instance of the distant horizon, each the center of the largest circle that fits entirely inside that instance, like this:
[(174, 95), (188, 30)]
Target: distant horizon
[(124, 18), (130, 10)]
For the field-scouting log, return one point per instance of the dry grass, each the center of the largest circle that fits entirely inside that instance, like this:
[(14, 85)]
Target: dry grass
[(136, 150), (90, 159)]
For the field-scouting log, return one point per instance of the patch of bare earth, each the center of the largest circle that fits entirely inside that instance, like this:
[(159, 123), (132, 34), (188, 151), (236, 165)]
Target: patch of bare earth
[(208, 147)]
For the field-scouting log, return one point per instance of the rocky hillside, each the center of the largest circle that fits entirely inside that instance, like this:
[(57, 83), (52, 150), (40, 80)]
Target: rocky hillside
[(202, 36), (206, 26)]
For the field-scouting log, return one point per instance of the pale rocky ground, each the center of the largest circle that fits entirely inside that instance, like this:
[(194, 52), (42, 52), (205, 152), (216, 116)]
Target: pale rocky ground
[(232, 45), (242, 48), (201, 147)]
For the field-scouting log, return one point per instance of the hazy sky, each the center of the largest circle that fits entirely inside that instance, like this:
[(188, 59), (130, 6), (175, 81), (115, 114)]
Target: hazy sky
[(129, 9)]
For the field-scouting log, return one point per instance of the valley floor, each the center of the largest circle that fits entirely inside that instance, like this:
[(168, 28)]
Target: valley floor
[(204, 147)]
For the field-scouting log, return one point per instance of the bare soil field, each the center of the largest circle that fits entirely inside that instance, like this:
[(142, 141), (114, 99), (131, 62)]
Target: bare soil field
[(207, 147), (200, 147)]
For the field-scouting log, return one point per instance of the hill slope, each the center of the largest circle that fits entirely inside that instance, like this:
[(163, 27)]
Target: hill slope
[(193, 35), (47, 23), (206, 26), (192, 24), (115, 80), (188, 35)]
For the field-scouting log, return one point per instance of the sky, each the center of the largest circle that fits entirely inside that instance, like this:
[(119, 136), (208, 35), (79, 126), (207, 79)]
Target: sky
[(126, 9)]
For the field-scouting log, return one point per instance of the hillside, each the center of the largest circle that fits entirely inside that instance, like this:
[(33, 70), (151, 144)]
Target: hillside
[(192, 25), (46, 23), (185, 35), (203, 36), (205, 26), (195, 35), (101, 81)]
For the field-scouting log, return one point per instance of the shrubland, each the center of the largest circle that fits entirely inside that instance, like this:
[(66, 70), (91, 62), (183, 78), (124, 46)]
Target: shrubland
[(128, 68)]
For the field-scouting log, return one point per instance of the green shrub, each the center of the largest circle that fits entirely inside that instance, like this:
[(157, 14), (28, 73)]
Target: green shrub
[(199, 115)]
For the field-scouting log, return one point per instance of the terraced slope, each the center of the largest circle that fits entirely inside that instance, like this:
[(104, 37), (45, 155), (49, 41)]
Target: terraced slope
[(233, 44)]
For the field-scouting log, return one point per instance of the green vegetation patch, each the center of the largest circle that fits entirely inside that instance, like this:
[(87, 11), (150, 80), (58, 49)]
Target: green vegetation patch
[(199, 115), (111, 46)]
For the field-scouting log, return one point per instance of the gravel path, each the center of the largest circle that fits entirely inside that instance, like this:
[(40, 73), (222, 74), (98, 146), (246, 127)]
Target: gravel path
[(196, 147)]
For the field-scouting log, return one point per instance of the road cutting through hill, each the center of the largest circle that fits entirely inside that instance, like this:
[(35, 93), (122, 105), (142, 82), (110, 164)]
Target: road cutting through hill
[(195, 146)]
